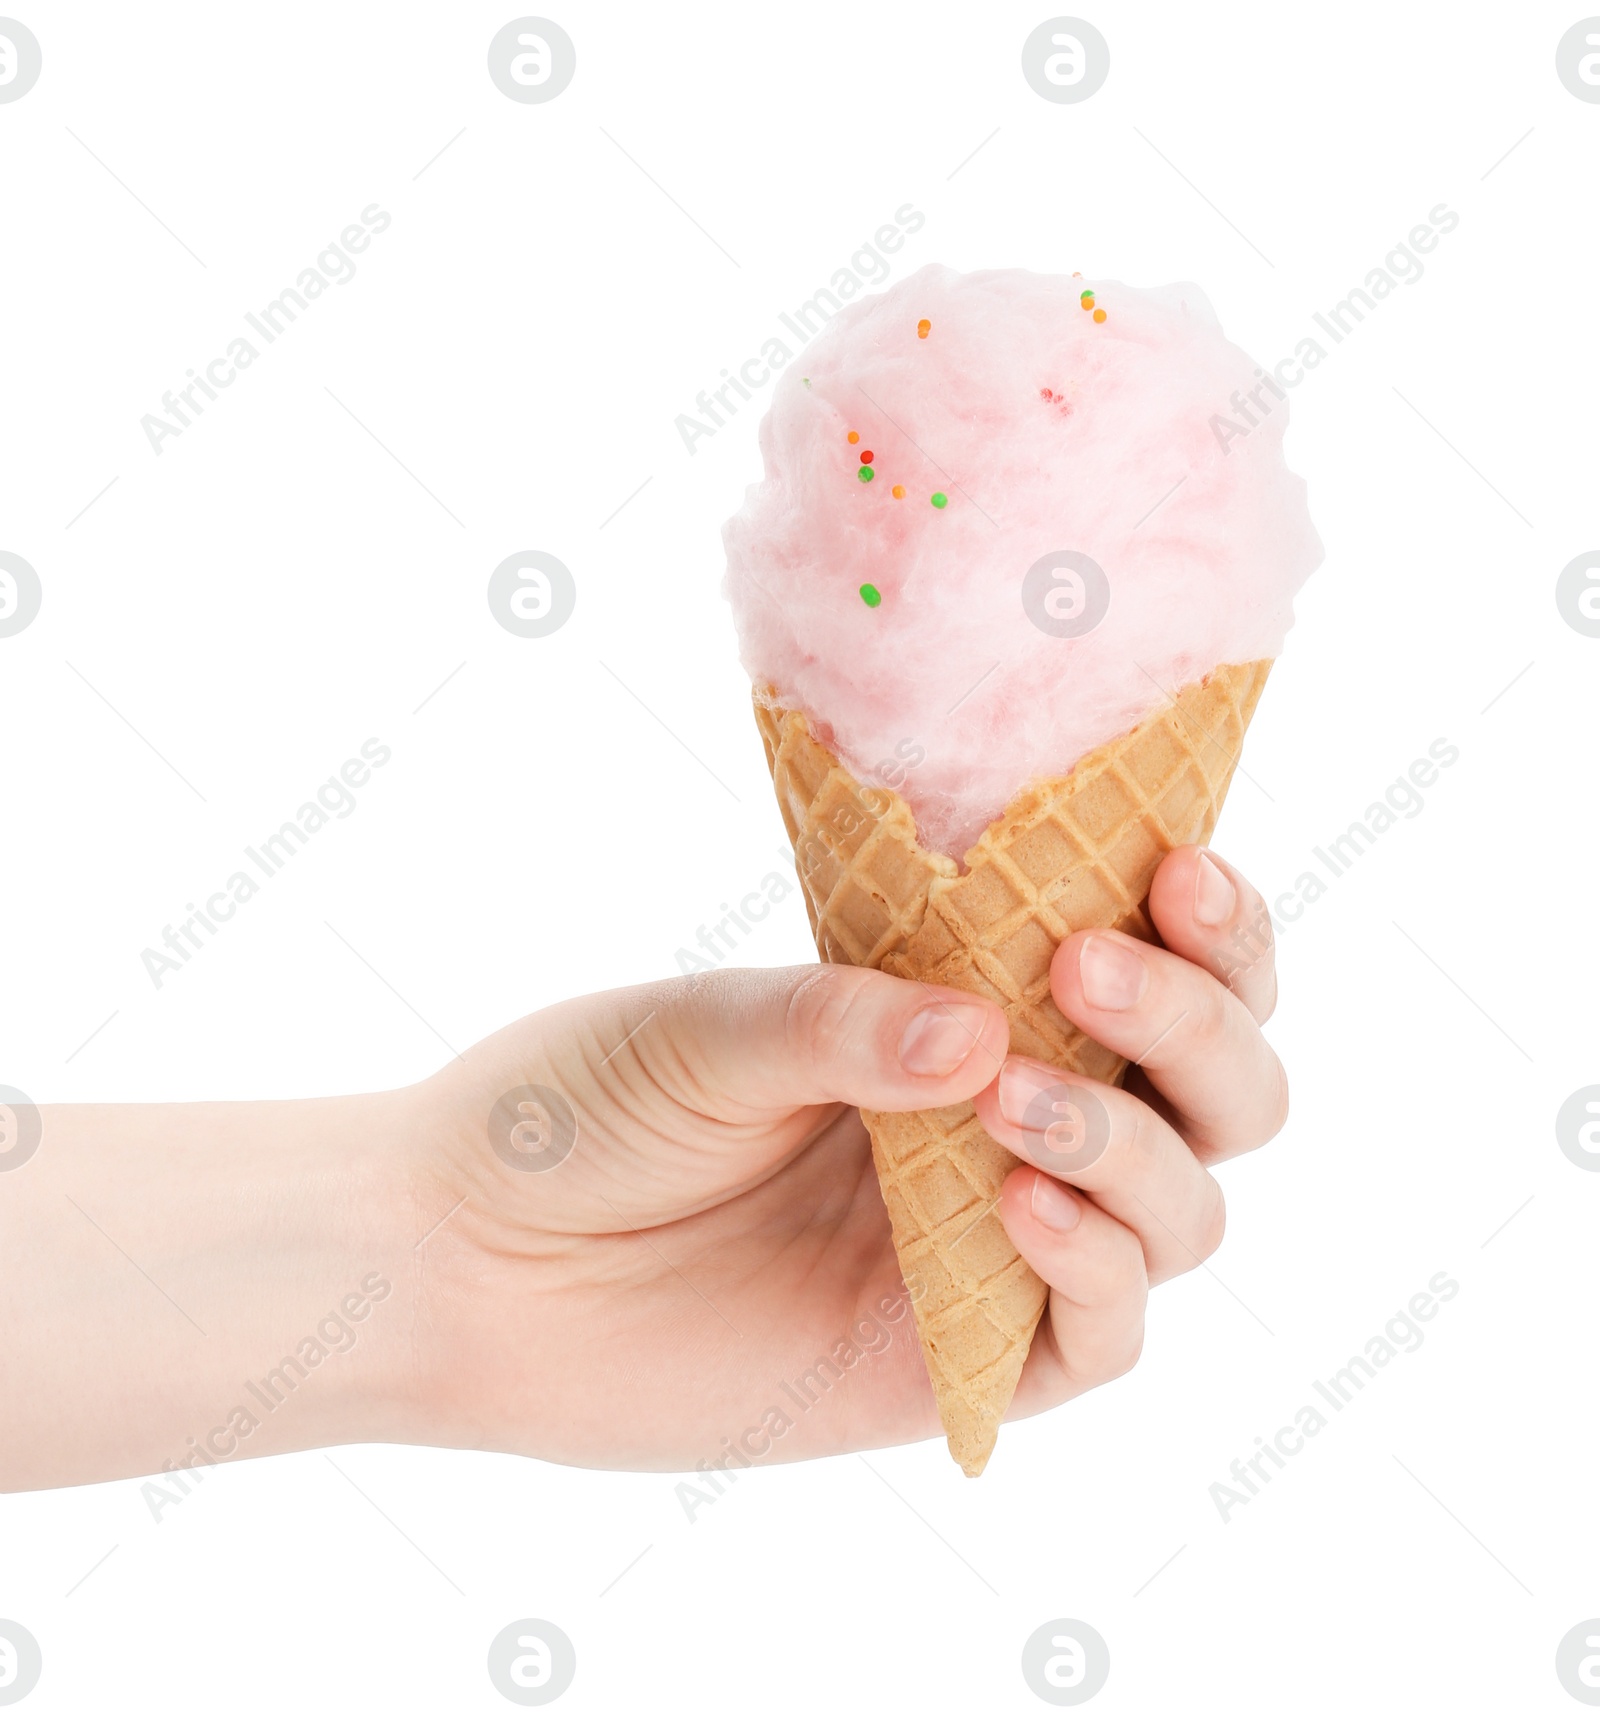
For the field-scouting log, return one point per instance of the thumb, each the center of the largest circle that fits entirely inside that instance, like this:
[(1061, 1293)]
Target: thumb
[(834, 1033)]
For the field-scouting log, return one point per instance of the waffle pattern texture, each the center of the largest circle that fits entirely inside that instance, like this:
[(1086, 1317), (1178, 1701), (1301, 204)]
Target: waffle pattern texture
[(1068, 853)]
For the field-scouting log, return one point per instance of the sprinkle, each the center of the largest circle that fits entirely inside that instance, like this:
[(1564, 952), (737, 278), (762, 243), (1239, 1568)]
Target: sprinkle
[(1077, 275), (923, 327), (938, 500), (1099, 317), (853, 437), (897, 491), (1086, 298), (864, 474), (871, 594), (866, 457)]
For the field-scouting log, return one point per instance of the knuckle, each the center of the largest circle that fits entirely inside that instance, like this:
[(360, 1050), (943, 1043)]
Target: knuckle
[(1132, 1352), (1136, 1140), (1213, 1222), (1211, 1014), (1277, 1112), (1132, 1271), (823, 1008), (1270, 1004), (1266, 941), (1121, 1354), (1108, 1275)]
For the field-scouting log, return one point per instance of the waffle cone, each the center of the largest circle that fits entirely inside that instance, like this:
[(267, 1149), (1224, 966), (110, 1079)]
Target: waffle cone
[(1068, 853)]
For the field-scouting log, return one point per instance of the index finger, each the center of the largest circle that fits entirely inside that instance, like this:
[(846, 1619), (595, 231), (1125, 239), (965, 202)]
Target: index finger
[(1207, 912)]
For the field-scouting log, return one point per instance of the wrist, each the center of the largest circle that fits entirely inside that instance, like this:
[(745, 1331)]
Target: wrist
[(323, 1349), (501, 1314)]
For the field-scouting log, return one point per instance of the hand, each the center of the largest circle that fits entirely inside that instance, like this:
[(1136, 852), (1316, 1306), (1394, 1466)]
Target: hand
[(706, 1275)]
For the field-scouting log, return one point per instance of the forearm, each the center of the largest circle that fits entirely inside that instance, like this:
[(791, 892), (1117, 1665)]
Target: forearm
[(211, 1281)]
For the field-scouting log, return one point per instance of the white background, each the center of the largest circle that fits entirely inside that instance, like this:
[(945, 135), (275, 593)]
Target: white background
[(275, 587)]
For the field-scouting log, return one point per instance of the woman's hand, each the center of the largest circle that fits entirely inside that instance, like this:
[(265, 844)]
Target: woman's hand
[(663, 1244), (638, 1230)]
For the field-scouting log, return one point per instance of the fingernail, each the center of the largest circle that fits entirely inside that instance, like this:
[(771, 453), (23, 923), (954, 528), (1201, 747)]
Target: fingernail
[(940, 1037), (1021, 1081), (1214, 895), (1113, 974), (1053, 1206)]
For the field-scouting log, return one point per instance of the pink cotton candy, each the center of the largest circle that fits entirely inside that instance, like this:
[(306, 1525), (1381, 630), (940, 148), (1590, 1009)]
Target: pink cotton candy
[(1135, 444)]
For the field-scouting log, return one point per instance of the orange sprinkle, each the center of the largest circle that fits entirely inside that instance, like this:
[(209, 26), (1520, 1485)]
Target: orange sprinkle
[(922, 329), (1099, 317), (897, 491), (854, 436)]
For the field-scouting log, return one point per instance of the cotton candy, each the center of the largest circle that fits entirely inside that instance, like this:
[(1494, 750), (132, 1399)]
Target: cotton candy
[(1133, 465)]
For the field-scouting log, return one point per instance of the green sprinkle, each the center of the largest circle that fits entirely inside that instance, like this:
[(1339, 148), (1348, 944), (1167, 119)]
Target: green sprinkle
[(864, 475), (939, 500), (871, 594)]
